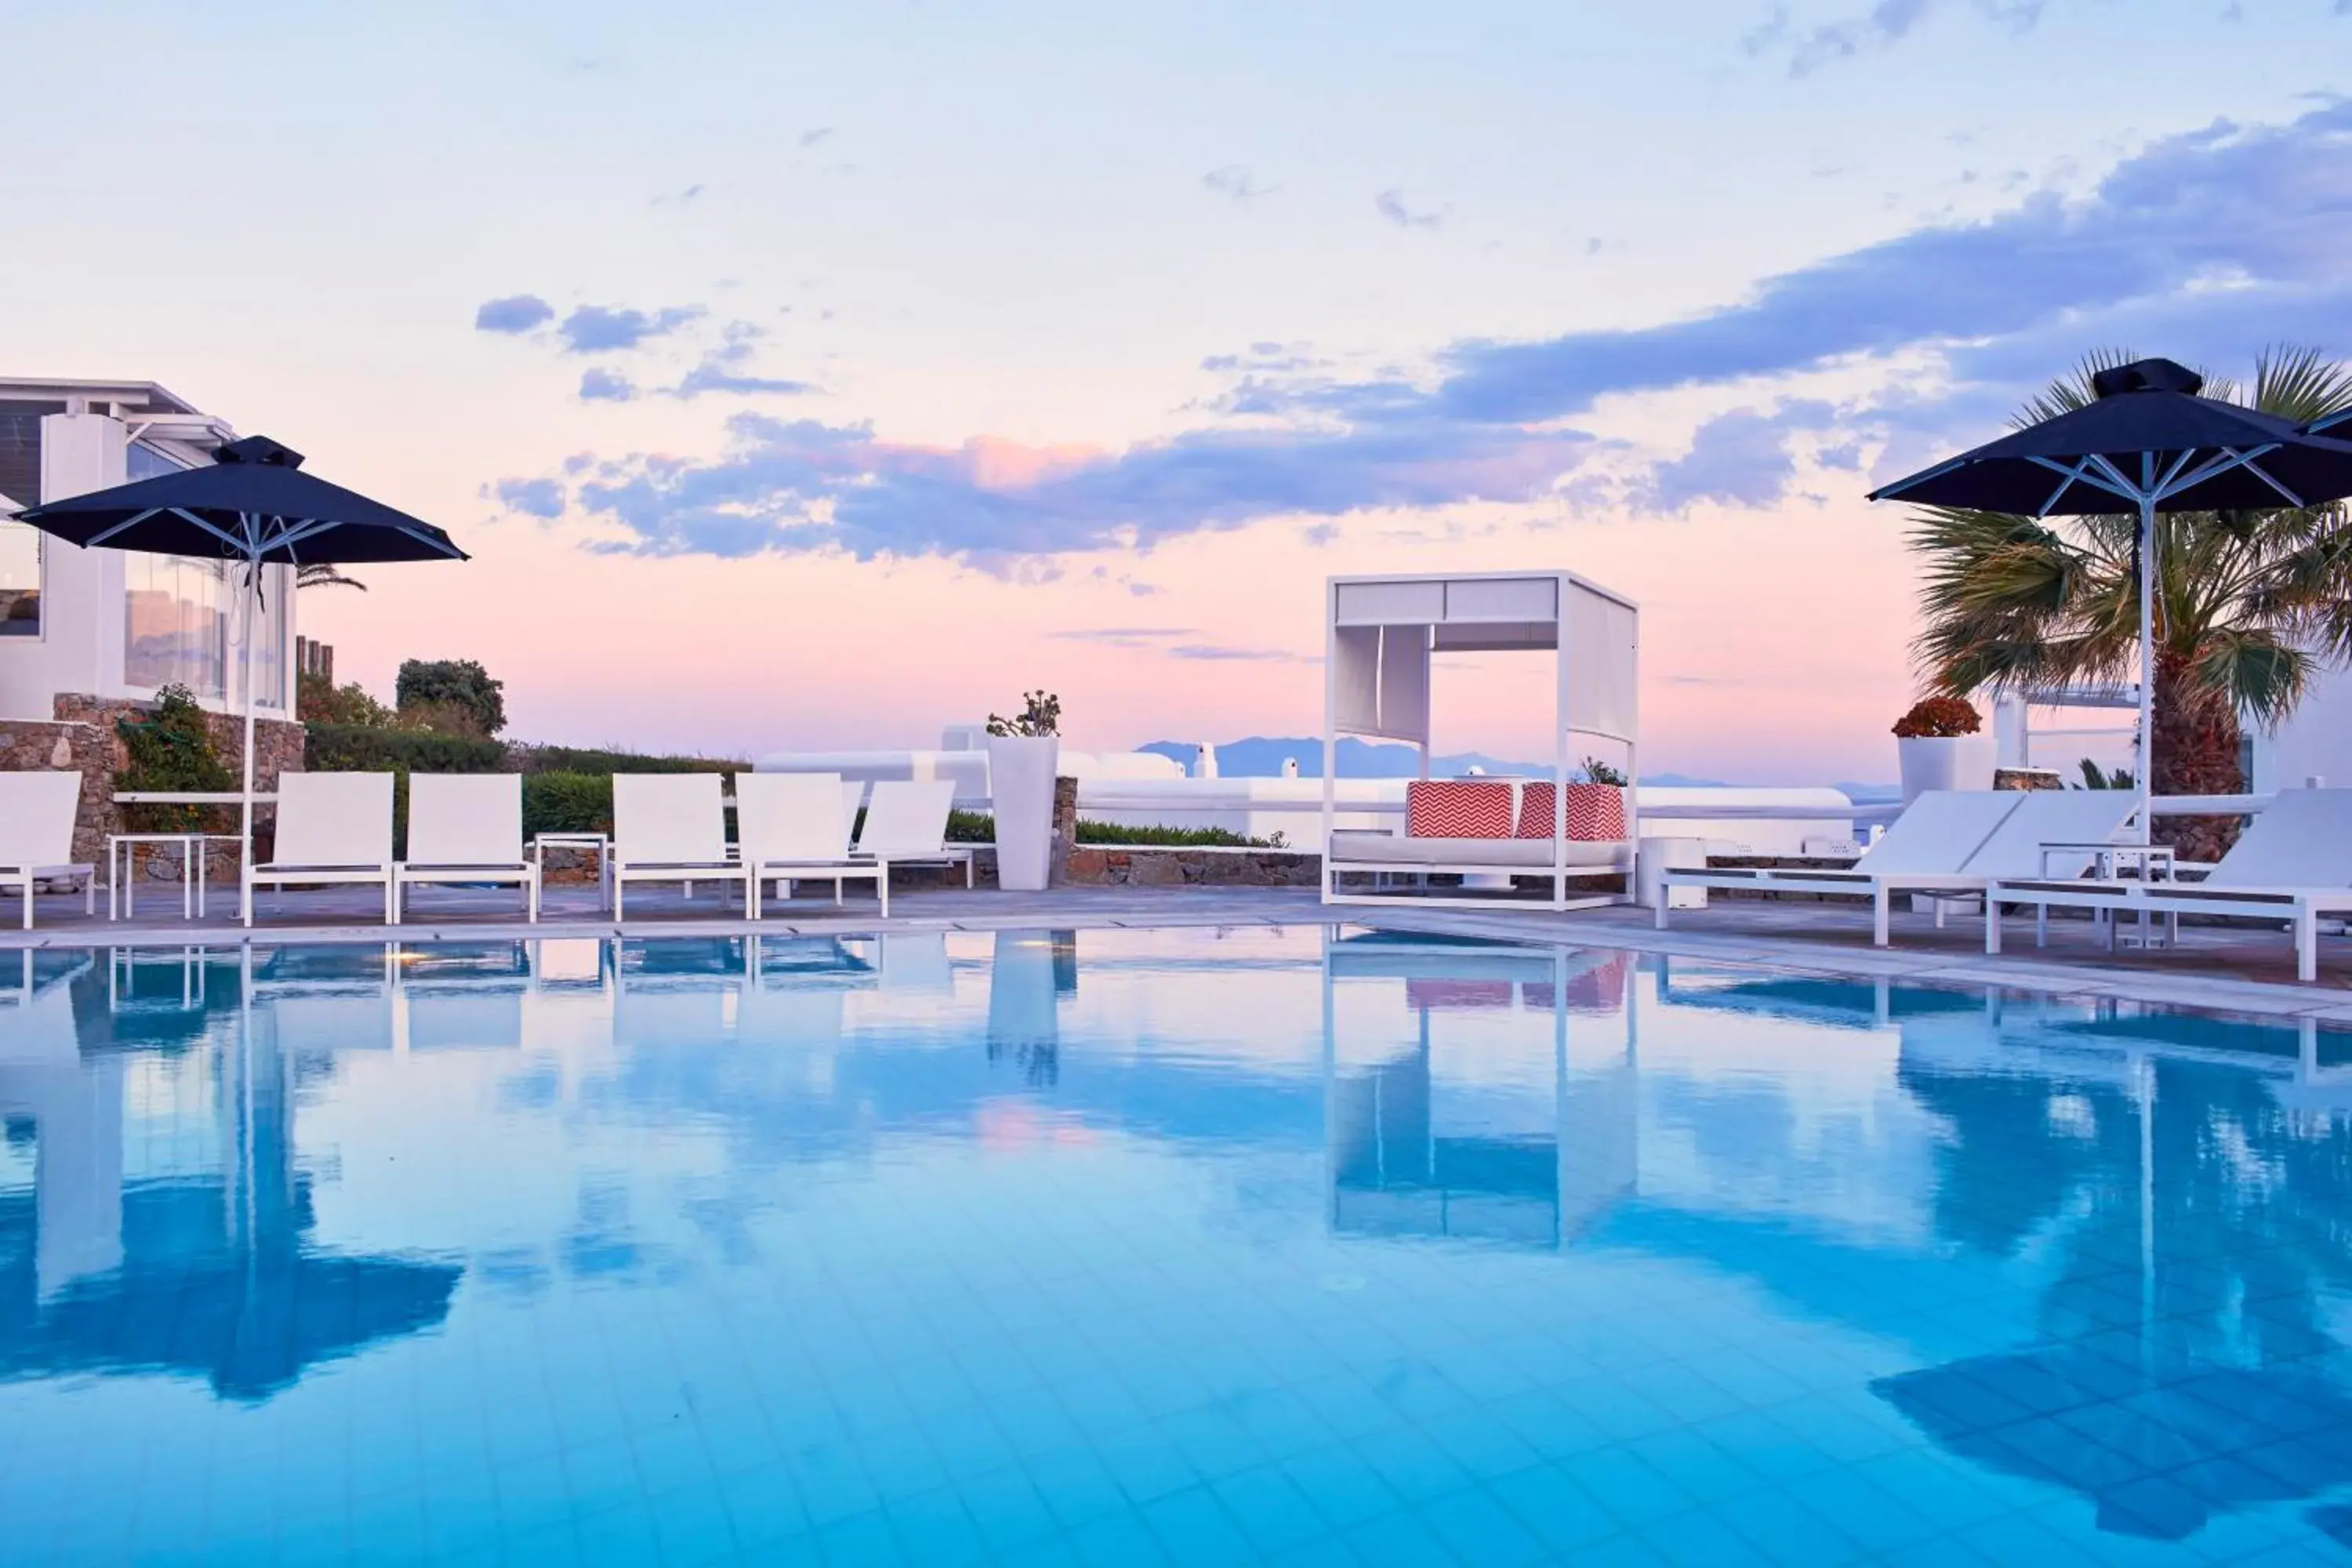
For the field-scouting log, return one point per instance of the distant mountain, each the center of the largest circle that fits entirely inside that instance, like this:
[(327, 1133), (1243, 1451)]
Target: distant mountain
[(1261, 757), (1865, 794)]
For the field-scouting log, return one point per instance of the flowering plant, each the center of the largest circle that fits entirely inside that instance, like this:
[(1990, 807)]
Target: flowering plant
[(1042, 716), (1938, 718)]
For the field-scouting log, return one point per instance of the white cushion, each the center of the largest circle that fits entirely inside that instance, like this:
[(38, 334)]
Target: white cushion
[(465, 819), (671, 819), (1395, 848), (37, 817), (790, 817), (333, 819)]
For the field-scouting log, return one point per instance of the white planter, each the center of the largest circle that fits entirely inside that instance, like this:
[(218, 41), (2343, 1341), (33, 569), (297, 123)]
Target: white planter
[(1020, 786), (1943, 761)]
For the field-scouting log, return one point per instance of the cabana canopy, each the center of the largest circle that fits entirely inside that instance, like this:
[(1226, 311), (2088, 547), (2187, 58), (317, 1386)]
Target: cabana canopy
[(1385, 632)]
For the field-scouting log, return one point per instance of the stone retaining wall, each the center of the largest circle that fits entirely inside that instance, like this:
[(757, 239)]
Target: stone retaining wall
[(1145, 865), (81, 737)]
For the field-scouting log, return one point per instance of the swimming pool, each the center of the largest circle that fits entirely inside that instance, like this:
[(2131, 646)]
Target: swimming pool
[(1124, 1246)]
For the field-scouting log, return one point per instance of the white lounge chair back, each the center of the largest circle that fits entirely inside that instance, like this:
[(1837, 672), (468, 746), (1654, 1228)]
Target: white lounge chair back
[(1938, 831), (669, 819), (853, 801), (333, 819), (2051, 816), (790, 816), (37, 817), (465, 819), (907, 817), (2303, 840)]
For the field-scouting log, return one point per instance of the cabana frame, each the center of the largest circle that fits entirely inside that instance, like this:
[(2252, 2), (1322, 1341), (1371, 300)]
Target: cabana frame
[(1381, 634)]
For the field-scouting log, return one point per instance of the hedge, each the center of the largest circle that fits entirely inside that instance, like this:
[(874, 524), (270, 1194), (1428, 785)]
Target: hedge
[(566, 802), (359, 747), (580, 760)]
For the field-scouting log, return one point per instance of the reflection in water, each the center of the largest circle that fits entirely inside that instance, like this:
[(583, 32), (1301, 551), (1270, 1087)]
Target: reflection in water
[(2096, 1256), (204, 1269), (1401, 1167)]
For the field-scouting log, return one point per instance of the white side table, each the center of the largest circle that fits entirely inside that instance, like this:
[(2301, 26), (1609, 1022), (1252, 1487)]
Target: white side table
[(598, 844), (1654, 857), (2147, 862), (123, 865)]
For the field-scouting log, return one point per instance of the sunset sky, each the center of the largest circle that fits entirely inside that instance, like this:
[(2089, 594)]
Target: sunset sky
[(819, 377)]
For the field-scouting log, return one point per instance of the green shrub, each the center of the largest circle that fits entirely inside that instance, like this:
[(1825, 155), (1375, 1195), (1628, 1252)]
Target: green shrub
[(567, 802), (1093, 831), (172, 751), (359, 747), (451, 695), (593, 760), (969, 827)]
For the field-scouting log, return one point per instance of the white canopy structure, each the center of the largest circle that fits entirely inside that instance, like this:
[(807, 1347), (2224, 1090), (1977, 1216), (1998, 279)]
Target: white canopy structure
[(1385, 632)]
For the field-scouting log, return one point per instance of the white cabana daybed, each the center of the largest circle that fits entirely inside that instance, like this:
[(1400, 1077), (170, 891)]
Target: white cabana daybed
[(1382, 634)]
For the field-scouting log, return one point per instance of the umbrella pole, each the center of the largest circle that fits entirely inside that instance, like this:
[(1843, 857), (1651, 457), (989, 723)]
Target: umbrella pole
[(2146, 759), (245, 828)]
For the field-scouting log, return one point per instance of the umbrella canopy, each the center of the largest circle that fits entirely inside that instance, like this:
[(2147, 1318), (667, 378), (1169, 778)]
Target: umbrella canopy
[(2145, 443), (253, 505)]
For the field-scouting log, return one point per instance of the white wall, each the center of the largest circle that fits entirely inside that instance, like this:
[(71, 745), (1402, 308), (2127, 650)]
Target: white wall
[(82, 611)]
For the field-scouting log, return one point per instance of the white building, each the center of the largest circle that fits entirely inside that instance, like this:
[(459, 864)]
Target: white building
[(107, 623)]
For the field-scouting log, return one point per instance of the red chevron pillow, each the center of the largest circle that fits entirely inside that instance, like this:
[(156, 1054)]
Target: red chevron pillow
[(1457, 808), (1596, 813)]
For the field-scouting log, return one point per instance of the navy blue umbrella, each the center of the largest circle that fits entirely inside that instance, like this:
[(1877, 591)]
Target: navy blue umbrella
[(2146, 443), (253, 504)]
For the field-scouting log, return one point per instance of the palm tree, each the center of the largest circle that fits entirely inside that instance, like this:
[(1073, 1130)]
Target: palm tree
[(319, 574), (2251, 605)]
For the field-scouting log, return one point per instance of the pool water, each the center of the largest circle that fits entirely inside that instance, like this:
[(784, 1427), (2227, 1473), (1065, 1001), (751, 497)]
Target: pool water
[(1130, 1247)]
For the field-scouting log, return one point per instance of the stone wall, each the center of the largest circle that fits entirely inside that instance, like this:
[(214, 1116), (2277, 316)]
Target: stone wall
[(1142, 864), (81, 736)]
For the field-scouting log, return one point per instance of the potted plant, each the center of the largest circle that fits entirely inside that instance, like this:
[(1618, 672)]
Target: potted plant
[(1023, 751), (1938, 747)]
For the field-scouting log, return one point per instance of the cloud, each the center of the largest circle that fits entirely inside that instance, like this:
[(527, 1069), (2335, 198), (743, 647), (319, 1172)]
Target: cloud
[(1122, 636), (720, 369), (802, 485), (598, 385), (533, 498), (2226, 205), (1883, 25), (515, 313), (712, 375), (2202, 245), (1216, 652), (1389, 204), (811, 138), (601, 329), (678, 198), (1739, 459), (1235, 182)]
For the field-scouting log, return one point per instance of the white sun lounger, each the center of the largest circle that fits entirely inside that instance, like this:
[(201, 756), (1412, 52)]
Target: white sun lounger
[(36, 824), (465, 828), (331, 827), (2293, 864), (790, 827), (671, 828), (907, 825), (1948, 845)]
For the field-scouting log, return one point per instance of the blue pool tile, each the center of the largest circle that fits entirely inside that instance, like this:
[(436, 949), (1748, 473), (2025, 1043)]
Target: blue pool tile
[(1479, 1528), (1398, 1539), (1192, 1526), (1273, 1512)]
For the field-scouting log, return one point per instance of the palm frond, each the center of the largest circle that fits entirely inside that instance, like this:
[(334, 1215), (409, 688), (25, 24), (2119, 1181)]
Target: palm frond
[(2301, 384)]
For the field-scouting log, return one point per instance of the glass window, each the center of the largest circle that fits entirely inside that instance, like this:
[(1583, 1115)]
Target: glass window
[(269, 621), (140, 461), (20, 581), (175, 623)]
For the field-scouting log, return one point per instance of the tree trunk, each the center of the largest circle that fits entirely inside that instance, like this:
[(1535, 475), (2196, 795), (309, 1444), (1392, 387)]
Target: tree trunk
[(2197, 740)]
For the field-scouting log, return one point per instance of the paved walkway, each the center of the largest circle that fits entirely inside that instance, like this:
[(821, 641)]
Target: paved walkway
[(2232, 969)]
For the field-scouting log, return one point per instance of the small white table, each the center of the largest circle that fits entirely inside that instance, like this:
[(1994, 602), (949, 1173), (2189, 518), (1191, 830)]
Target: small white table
[(2147, 862), (122, 866), (598, 844)]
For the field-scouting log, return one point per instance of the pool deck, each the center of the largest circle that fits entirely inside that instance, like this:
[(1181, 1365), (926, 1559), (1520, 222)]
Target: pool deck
[(2235, 970)]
